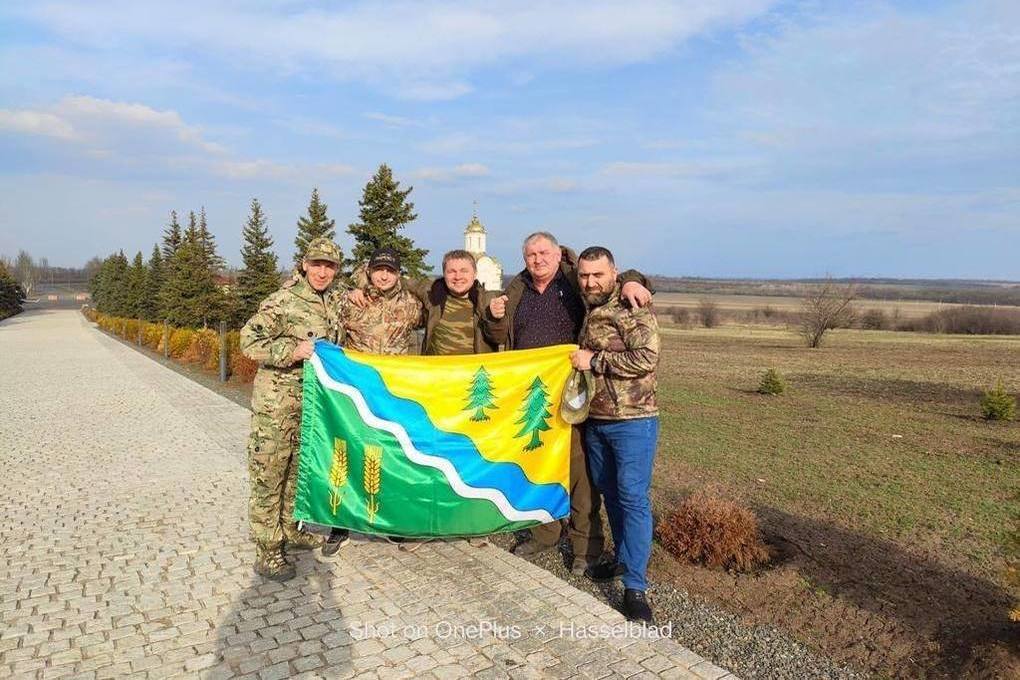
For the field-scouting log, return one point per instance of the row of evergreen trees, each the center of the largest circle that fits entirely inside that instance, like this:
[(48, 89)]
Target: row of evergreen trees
[(11, 293), (183, 282)]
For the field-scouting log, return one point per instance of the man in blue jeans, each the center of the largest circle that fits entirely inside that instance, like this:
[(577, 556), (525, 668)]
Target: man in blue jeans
[(620, 346)]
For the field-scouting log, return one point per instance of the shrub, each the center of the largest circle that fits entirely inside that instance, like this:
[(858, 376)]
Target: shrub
[(709, 530), (998, 404), (682, 317), (708, 313), (241, 367), (971, 320), (204, 349), (152, 336), (772, 383), (874, 320), (825, 307), (180, 341)]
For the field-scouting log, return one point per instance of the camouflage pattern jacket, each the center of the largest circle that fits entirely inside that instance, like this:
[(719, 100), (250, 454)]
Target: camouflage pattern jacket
[(294, 313), (385, 326), (626, 346)]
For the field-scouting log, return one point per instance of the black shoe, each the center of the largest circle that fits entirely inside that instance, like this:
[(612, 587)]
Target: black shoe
[(635, 606), (604, 572), (338, 538), (395, 539)]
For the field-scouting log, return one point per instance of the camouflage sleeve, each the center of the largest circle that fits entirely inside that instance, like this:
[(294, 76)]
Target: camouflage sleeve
[(419, 311), (341, 310), (635, 275), (639, 352), (263, 338), (418, 286)]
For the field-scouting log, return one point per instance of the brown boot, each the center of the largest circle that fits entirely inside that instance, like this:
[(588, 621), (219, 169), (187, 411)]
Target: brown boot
[(271, 564), (305, 541)]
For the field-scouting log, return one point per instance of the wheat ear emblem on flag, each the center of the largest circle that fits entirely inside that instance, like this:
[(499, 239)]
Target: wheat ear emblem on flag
[(372, 479), (337, 474)]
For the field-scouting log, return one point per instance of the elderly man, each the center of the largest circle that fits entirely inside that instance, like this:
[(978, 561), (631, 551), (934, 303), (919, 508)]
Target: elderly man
[(620, 346), (542, 306), (279, 337)]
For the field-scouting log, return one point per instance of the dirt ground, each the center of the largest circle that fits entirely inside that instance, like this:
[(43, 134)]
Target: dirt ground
[(898, 591)]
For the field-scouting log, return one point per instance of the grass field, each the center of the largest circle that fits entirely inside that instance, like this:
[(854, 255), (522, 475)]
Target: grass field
[(878, 438), (907, 309)]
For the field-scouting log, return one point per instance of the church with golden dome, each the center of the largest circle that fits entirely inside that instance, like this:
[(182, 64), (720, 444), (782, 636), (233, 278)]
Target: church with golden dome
[(490, 271)]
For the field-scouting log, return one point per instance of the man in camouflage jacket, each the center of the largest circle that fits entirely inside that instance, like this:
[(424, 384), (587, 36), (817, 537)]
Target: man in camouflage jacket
[(280, 337), (384, 319), (620, 346)]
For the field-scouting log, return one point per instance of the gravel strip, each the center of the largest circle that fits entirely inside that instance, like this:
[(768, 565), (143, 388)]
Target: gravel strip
[(750, 652)]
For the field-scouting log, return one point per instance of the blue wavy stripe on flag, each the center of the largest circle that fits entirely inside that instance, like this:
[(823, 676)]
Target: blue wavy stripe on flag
[(474, 469)]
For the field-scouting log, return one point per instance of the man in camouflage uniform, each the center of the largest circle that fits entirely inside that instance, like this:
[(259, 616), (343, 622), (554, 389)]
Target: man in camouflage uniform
[(620, 346), (382, 319), (280, 337)]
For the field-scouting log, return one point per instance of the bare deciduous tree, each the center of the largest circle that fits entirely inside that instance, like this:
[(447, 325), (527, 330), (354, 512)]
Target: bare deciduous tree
[(827, 306), (25, 272)]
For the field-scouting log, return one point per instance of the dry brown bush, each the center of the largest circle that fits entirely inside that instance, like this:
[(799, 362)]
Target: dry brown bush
[(710, 530), (180, 341), (241, 367), (709, 314)]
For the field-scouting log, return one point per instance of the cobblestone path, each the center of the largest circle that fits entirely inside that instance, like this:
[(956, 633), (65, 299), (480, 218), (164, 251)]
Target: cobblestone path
[(123, 551)]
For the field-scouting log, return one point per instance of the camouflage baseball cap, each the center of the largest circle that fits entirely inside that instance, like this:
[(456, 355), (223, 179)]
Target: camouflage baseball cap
[(322, 248), (577, 394)]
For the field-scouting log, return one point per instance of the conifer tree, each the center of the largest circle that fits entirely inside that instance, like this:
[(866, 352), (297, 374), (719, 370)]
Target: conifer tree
[(480, 396), (190, 294), (11, 294), (316, 224), (154, 277), (208, 242), (135, 293), (534, 414), (109, 286), (171, 237), (384, 210), (259, 277)]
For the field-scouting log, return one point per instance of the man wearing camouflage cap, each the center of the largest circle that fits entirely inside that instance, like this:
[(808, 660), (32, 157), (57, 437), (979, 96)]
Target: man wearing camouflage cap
[(280, 336)]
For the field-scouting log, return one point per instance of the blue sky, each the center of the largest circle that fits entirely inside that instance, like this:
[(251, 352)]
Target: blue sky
[(731, 138)]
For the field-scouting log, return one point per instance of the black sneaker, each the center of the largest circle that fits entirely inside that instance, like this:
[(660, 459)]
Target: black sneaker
[(338, 538), (635, 606), (604, 572)]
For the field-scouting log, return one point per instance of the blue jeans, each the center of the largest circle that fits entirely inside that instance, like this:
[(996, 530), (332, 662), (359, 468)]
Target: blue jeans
[(620, 457)]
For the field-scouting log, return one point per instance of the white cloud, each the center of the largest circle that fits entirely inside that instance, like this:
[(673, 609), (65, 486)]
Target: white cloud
[(393, 121), (35, 123), (426, 47), (450, 174), (100, 121), (865, 76)]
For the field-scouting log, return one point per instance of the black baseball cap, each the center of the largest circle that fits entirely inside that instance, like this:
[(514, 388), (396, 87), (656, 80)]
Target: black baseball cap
[(385, 257)]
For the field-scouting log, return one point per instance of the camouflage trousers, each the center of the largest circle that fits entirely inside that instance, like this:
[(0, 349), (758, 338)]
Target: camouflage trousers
[(585, 524), (272, 472)]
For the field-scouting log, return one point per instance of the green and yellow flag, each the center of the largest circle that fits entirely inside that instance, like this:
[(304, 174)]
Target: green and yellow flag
[(434, 446)]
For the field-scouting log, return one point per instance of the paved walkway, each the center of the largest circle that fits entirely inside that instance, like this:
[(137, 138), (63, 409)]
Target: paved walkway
[(123, 551)]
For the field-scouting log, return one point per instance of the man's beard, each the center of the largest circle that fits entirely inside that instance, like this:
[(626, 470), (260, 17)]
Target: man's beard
[(596, 299)]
